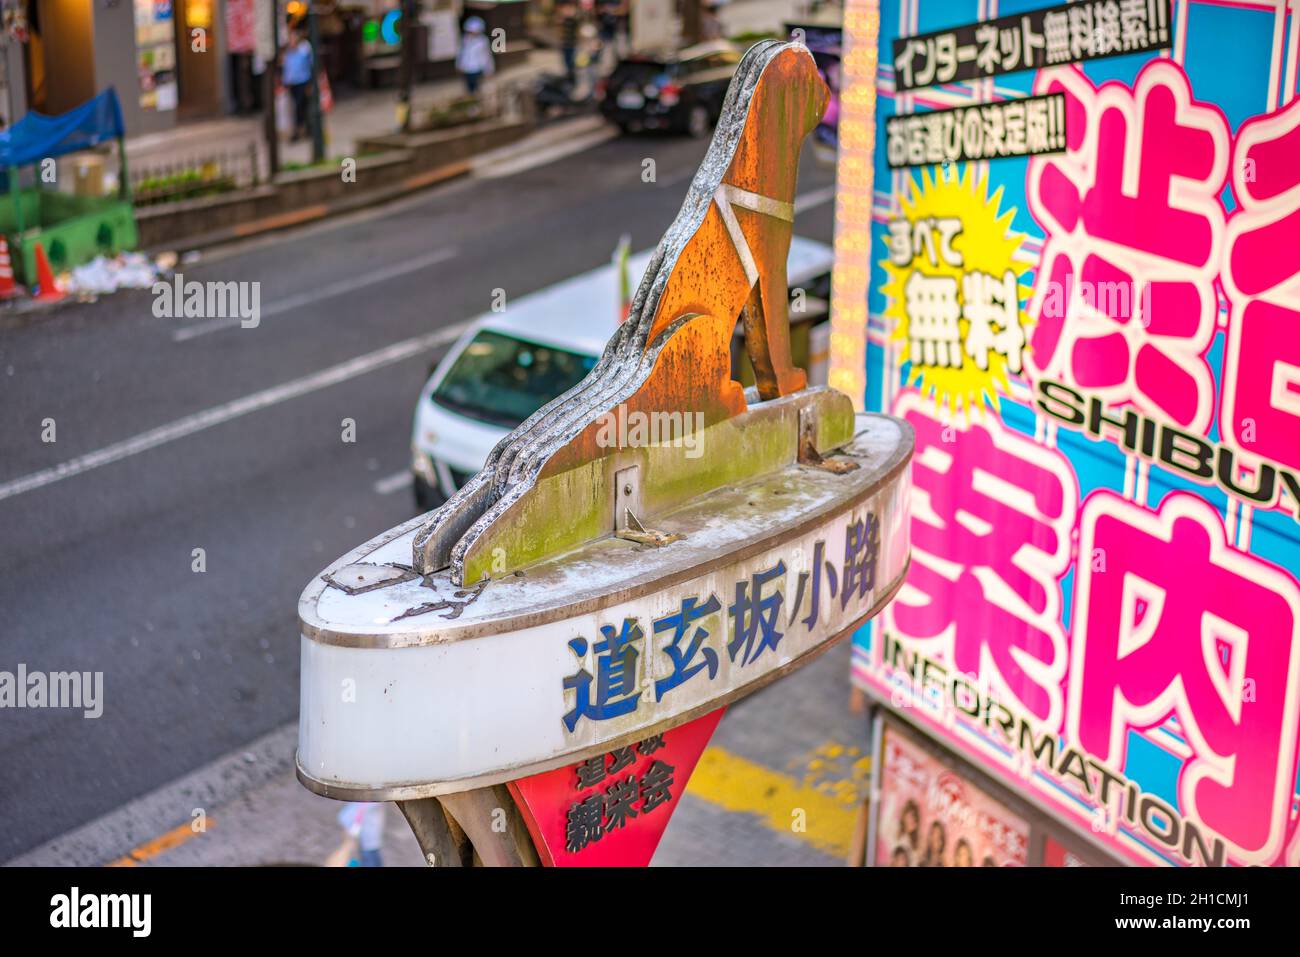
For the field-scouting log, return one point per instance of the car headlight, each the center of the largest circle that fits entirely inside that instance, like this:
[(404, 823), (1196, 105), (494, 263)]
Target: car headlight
[(422, 465)]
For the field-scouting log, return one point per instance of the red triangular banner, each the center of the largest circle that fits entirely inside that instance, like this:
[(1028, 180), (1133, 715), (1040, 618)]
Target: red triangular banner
[(611, 810)]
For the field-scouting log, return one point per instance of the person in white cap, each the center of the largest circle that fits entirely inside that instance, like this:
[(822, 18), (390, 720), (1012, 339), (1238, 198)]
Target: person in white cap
[(474, 61), (363, 824)]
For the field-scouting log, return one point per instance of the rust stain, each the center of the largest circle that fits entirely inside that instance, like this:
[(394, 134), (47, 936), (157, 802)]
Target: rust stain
[(711, 283), (722, 259), (455, 605), (710, 276)]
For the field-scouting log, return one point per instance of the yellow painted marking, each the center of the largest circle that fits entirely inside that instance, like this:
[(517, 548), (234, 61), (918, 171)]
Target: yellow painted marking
[(281, 220), (733, 783), (164, 842), (436, 175)]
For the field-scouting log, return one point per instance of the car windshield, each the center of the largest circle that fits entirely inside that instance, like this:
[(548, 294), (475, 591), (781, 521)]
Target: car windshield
[(503, 380), (638, 71)]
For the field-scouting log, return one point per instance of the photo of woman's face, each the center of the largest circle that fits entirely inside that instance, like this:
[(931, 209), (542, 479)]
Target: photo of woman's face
[(935, 840), (961, 855)]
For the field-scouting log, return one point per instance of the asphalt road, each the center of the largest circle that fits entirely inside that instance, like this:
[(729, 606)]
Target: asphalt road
[(237, 449)]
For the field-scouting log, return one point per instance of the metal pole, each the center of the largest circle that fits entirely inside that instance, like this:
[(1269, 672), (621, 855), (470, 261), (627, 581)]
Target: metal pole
[(9, 87), (124, 190), (268, 97), (16, 196), (406, 66), (317, 124)]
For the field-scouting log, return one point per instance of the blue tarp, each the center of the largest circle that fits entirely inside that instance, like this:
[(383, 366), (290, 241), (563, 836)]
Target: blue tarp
[(37, 136)]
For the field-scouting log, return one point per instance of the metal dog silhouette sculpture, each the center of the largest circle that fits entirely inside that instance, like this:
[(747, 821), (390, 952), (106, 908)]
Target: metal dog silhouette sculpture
[(723, 256), (528, 633)]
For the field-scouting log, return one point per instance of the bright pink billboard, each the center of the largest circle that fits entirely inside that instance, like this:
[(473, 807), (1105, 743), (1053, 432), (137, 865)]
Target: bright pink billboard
[(1086, 300)]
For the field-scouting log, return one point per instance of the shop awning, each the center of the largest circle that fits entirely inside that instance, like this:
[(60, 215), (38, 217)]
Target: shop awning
[(37, 136)]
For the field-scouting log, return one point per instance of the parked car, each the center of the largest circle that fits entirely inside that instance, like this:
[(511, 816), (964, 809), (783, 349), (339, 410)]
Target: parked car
[(508, 365), (682, 91)]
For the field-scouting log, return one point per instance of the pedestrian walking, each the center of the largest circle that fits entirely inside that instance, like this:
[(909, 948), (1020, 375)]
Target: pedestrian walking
[(363, 825), (610, 15), (569, 19), (296, 76), (711, 20), (474, 59)]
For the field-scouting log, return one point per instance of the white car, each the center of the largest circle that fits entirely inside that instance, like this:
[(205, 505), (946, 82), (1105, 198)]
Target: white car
[(509, 364)]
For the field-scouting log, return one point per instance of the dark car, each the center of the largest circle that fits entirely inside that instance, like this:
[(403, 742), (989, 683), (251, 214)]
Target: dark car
[(682, 92)]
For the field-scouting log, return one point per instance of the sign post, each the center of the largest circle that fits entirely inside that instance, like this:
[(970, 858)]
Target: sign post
[(533, 669)]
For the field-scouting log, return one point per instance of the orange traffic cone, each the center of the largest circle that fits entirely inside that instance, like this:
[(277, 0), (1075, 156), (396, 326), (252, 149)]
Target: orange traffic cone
[(48, 292), (8, 288)]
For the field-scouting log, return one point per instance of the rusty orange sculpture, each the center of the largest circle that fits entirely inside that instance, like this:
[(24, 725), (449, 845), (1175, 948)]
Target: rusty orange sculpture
[(734, 263), (722, 258)]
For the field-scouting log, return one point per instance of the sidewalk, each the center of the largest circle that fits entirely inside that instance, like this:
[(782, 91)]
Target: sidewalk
[(358, 116), (790, 752), (759, 16), (374, 112), (793, 746)]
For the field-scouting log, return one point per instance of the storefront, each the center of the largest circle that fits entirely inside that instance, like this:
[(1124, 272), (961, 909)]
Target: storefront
[(376, 48), (166, 60), (1082, 294)]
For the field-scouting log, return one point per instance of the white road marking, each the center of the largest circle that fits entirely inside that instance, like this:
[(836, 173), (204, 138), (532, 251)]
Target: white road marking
[(220, 414), (540, 157), (814, 198), (394, 483), (327, 291)]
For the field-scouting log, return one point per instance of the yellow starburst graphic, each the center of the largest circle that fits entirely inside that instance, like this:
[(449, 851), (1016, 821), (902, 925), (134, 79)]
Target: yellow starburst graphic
[(952, 265)]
